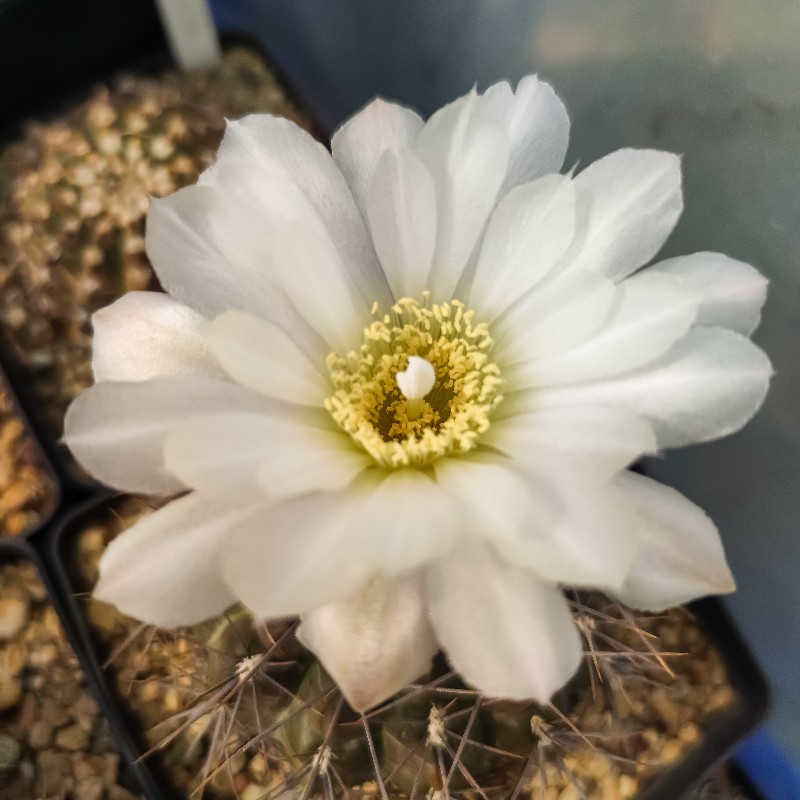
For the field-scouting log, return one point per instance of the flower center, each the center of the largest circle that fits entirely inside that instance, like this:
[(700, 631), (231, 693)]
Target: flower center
[(420, 386)]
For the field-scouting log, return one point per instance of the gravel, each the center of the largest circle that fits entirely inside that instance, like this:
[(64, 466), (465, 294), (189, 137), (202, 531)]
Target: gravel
[(53, 741), (27, 489)]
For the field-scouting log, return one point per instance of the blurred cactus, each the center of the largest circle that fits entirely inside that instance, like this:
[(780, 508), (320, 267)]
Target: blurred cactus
[(74, 193)]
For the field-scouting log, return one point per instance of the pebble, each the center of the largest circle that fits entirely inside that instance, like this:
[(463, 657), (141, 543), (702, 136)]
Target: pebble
[(90, 788), (27, 491), (253, 791), (40, 735), (13, 616), (9, 752), (667, 709), (73, 737), (10, 692)]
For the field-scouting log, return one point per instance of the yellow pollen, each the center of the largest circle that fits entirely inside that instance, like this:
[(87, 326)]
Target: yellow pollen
[(368, 404)]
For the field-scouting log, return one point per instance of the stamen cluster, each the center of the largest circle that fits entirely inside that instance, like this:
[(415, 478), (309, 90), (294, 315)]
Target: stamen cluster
[(368, 404)]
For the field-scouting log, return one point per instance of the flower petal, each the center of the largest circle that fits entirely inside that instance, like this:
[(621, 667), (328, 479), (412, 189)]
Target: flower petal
[(506, 633), (552, 523), (538, 128), (188, 262), (117, 430), (526, 236), (402, 219), (576, 534), (165, 570), (194, 240), (680, 557), (242, 457), (271, 228), (628, 203), (708, 385), (146, 334), (498, 100), (358, 145), (493, 501), (654, 311), (374, 642), (284, 149), (731, 292), (260, 356), (322, 547), (554, 317), (466, 150), (590, 441)]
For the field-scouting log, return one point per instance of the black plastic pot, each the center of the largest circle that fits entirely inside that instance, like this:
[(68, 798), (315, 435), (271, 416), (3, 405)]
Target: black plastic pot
[(78, 496)]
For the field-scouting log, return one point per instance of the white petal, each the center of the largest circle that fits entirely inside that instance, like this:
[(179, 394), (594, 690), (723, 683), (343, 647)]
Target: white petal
[(271, 228), (412, 520), (577, 534), (218, 456), (374, 642), (358, 145), (498, 100), (466, 151), (402, 218), (654, 311), (731, 292), (189, 264), (194, 240), (260, 356), (680, 557), (493, 501), (526, 236), (708, 385), (538, 127), (554, 317), (285, 149), (505, 633), (117, 430), (244, 457), (591, 441), (165, 570), (628, 203), (301, 555), (307, 460), (322, 547), (146, 334)]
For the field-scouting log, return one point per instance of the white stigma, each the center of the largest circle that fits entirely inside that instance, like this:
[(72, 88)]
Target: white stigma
[(414, 383), (417, 379)]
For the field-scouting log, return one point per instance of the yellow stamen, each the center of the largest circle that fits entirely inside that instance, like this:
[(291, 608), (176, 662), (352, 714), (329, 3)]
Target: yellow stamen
[(398, 431)]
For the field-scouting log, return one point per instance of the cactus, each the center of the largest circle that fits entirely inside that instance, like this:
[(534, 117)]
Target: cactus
[(74, 193), (236, 708)]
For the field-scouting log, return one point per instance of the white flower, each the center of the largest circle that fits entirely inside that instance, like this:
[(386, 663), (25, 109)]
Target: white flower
[(403, 384)]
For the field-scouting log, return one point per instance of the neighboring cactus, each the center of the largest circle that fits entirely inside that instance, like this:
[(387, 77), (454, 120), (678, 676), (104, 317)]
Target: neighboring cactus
[(243, 711), (74, 193)]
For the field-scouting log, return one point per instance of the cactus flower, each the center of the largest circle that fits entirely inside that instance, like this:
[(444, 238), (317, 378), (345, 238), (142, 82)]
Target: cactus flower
[(398, 388)]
